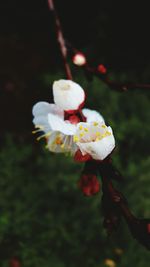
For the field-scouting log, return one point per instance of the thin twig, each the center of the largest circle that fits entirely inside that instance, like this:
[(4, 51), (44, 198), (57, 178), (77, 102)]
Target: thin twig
[(117, 86), (60, 39)]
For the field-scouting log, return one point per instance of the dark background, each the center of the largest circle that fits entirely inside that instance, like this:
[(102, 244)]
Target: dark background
[(44, 218), (120, 27)]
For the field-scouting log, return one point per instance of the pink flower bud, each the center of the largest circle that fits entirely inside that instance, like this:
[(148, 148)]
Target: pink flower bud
[(79, 59)]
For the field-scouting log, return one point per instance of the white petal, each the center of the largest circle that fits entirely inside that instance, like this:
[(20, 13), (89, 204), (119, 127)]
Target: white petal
[(57, 124), (43, 108), (52, 146), (68, 146), (68, 95), (92, 115), (42, 123), (99, 150)]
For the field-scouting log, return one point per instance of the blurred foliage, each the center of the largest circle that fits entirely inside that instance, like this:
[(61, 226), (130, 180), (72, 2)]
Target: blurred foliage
[(44, 218)]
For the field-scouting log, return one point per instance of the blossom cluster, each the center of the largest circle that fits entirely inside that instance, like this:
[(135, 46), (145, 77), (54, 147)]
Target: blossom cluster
[(68, 127)]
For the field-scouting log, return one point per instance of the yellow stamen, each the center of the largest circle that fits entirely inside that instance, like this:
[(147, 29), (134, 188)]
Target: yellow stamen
[(58, 140), (80, 127), (98, 134), (44, 135), (39, 126), (104, 126), (75, 138), (107, 133), (95, 123), (86, 129), (36, 131), (81, 134), (40, 137)]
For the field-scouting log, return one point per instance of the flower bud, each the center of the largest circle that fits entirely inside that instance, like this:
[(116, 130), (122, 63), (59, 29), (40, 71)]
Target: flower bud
[(79, 59), (102, 69), (89, 184)]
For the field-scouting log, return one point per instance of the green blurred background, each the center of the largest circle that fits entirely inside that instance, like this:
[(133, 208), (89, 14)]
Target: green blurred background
[(44, 218)]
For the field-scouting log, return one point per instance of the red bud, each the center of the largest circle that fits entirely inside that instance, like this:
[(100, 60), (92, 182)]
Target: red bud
[(89, 184), (101, 68)]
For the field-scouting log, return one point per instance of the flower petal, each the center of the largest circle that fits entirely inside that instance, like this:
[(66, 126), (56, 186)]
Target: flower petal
[(43, 108), (42, 123), (57, 124), (60, 143), (68, 95), (99, 150), (92, 115)]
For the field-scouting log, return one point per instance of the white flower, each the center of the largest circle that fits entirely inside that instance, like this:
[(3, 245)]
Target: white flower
[(95, 139), (92, 115), (49, 119), (68, 95)]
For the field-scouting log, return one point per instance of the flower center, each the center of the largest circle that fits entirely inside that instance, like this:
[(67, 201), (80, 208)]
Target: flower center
[(65, 87), (91, 133), (74, 119), (58, 140)]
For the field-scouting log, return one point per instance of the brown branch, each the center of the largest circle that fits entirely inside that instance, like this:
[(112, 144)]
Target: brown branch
[(117, 86), (60, 38), (117, 198), (115, 206)]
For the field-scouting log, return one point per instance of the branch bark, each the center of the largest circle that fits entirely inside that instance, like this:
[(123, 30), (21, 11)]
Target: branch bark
[(60, 39)]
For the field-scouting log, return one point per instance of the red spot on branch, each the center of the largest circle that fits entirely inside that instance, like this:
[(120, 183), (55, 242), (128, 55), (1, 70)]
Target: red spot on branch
[(101, 68)]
